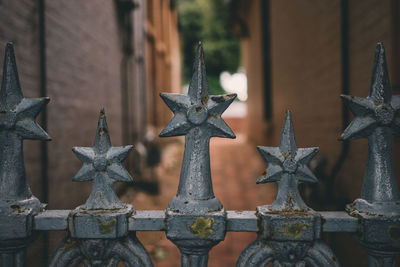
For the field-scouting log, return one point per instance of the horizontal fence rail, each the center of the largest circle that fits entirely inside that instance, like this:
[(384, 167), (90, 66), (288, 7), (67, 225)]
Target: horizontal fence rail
[(102, 231), (154, 220)]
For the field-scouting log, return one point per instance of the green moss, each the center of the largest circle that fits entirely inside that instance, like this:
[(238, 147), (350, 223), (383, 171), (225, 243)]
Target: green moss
[(294, 230), (202, 227), (107, 226)]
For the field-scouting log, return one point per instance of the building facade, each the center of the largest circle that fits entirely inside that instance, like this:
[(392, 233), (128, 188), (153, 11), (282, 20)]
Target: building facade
[(86, 55), (302, 55)]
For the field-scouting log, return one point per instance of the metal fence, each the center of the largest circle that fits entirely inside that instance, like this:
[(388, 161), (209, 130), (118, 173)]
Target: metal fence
[(101, 232)]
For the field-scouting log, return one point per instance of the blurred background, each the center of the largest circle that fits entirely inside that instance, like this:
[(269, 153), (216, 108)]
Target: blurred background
[(120, 54)]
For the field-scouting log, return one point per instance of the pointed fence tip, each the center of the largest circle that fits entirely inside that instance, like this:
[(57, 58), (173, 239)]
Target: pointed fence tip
[(288, 142), (9, 46), (288, 115), (380, 85), (45, 99), (200, 51), (380, 55), (102, 119), (9, 53), (263, 178), (347, 98), (163, 133), (380, 47), (288, 124)]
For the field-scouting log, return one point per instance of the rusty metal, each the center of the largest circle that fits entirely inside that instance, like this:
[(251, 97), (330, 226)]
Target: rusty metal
[(102, 231), (98, 230), (378, 210), (17, 122), (196, 219), (289, 231), (288, 165)]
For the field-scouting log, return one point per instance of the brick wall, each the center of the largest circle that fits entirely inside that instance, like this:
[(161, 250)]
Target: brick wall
[(83, 60), (84, 54), (19, 23), (306, 77)]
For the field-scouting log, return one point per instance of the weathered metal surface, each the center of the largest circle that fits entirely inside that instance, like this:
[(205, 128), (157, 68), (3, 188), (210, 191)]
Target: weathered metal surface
[(338, 221), (101, 232), (51, 220), (147, 220), (17, 122), (101, 252), (98, 230), (377, 118), (378, 210), (154, 220), (198, 117), (241, 221), (283, 254), (17, 204), (287, 165), (289, 231), (102, 165)]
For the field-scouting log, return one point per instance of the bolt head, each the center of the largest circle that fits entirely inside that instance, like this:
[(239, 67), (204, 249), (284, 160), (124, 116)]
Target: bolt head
[(100, 164), (289, 165), (197, 114)]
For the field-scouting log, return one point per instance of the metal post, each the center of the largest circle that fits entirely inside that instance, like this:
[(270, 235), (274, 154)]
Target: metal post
[(98, 230), (196, 219), (377, 118), (103, 230), (17, 122), (289, 231)]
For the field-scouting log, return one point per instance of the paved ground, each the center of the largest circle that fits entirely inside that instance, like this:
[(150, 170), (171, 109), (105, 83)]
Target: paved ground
[(235, 166)]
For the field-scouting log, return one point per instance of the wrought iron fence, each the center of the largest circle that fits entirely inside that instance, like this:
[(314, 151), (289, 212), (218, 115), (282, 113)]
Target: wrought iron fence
[(101, 232)]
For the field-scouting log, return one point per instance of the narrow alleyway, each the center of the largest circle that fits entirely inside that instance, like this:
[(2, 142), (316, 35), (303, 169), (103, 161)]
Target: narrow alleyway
[(235, 166)]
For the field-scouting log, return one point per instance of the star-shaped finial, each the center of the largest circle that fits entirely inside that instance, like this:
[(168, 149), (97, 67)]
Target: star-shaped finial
[(197, 115), (287, 165), (198, 108), (102, 163), (377, 118), (17, 122), (380, 108), (16, 112)]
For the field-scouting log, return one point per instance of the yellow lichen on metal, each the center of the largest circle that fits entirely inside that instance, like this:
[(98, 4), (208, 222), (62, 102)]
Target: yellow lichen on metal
[(202, 227), (294, 230), (106, 227)]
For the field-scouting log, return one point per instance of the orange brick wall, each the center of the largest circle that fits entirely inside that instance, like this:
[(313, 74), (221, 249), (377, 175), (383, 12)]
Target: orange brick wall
[(306, 77)]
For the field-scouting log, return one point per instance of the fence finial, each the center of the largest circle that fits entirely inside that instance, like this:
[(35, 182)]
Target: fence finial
[(287, 165), (17, 122), (198, 116), (102, 164), (377, 118)]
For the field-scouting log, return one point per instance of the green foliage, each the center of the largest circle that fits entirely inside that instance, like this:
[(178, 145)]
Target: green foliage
[(214, 85), (207, 21)]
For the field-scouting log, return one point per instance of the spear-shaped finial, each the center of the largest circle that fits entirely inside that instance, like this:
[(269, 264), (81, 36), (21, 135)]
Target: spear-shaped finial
[(17, 122), (102, 164), (287, 165), (376, 118), (198, 116)]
